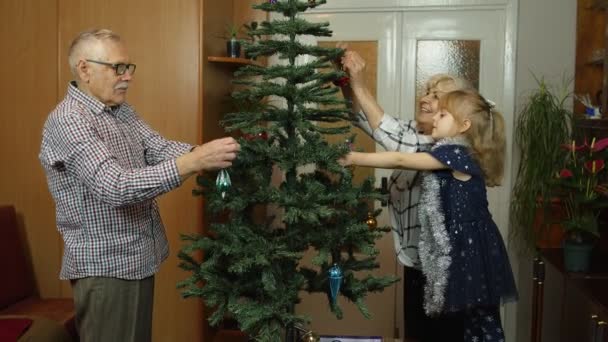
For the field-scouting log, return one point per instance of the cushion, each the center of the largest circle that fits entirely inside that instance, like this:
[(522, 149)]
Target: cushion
[(12, 328)]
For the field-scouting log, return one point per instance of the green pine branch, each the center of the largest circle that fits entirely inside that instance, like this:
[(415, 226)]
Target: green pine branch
[(249, 267)]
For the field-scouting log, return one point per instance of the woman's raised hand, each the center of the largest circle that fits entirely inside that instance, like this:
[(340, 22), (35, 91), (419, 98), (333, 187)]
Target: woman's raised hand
[(354, 65)]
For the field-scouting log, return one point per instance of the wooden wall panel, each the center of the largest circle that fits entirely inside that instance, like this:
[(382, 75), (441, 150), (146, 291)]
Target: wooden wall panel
[(163, 39), (28, 91), (216, 76), (244, 14), (590, 28)]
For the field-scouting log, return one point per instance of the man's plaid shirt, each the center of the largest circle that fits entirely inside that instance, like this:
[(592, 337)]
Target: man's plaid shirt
[(104, 168), (404, 185)]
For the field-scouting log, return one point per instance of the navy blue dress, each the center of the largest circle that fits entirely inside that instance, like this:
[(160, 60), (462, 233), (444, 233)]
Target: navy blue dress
[(465, 259)]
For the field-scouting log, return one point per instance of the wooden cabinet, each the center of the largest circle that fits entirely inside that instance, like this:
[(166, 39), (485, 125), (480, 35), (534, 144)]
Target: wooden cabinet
[(574, 305), (584, 319)]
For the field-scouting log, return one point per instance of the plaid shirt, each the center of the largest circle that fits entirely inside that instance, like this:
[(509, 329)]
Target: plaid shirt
[(404, 185), (104, 168)]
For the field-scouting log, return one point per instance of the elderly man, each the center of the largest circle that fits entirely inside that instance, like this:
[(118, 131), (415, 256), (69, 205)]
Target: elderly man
[(104, 168)]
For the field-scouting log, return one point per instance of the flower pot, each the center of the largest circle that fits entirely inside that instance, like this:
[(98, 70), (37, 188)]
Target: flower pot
[(577, 256), (549, 234), (233, 48)]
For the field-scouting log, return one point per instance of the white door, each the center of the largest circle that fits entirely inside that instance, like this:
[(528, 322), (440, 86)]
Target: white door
[(446, 41), (451, 33), (401, 37)]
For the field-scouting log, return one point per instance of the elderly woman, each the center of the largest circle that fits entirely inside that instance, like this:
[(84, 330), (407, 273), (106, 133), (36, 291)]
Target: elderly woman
[(404, 186)]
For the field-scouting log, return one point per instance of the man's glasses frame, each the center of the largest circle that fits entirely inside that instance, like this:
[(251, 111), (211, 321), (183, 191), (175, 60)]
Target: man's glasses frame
[(119, 68)]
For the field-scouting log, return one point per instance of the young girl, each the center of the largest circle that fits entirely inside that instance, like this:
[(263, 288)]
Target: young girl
[(463, 256)]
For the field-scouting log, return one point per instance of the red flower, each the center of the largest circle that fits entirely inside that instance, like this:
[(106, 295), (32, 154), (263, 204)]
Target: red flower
[(565, 173), (600, 145), (574, 148), (594, 166)]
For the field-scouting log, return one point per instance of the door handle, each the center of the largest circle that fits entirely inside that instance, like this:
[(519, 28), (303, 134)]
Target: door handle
[(599, 332), (592, 328)]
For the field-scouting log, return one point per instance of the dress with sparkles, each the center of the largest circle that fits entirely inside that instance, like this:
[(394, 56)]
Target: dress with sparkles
[(462, 252)]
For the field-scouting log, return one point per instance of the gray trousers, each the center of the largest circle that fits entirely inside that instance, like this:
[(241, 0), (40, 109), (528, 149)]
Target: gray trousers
[(111, 309)]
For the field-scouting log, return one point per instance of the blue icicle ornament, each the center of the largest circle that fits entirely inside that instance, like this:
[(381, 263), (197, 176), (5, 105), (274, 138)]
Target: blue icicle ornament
[(335, 281), (222, 182)]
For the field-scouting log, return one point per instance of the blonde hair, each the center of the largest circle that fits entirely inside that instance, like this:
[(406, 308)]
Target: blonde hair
[(486, 135), (83, 44), (447, 81)]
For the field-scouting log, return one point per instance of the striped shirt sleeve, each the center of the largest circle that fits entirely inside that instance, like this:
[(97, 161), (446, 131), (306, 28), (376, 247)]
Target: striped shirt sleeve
[(156, 148), (80, 150), (395, 134)]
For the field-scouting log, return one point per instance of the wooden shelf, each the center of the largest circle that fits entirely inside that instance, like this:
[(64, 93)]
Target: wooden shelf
[(596, 62), (232, 61), (230, 336)]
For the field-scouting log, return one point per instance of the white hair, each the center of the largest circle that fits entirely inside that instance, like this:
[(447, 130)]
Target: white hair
[(86, 44)]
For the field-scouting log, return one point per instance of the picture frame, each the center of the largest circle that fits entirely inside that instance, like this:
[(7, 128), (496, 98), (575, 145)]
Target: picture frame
[(344, 338)]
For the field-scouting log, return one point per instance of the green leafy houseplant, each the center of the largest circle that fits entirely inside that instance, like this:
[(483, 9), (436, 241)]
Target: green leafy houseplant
[(232, 30), (233, 45), (542, 125), (581, 183)]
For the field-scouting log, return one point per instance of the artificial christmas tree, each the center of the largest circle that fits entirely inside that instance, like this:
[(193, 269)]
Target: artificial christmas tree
[(252, 267)]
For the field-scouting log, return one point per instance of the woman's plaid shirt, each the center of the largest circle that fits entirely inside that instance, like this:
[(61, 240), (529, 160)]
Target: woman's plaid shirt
[(404, 185), (104, 168)]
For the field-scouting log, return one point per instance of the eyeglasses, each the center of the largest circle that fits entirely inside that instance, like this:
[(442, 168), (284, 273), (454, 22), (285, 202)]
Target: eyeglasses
[(120, 68)]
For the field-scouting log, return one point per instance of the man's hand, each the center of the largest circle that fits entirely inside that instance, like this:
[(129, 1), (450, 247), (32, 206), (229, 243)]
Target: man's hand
[(216, 154)]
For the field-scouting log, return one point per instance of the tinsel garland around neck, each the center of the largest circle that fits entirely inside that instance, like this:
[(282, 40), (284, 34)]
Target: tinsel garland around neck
[(434, 245)]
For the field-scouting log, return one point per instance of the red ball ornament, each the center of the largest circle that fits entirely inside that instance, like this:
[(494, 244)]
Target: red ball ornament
[(342, 81), (258, 136), (262, 136)]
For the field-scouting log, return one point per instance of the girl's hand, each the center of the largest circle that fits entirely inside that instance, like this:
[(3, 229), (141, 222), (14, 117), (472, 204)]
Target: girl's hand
[(347, 160), (354, 65)]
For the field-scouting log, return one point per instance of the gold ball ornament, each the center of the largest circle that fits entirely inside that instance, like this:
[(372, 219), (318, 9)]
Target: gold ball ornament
[(311, 337), (371, 221)]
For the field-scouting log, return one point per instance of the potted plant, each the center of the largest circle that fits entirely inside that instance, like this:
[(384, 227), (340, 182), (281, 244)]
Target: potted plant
[(581, 184), (542, 125), (233, 45)]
